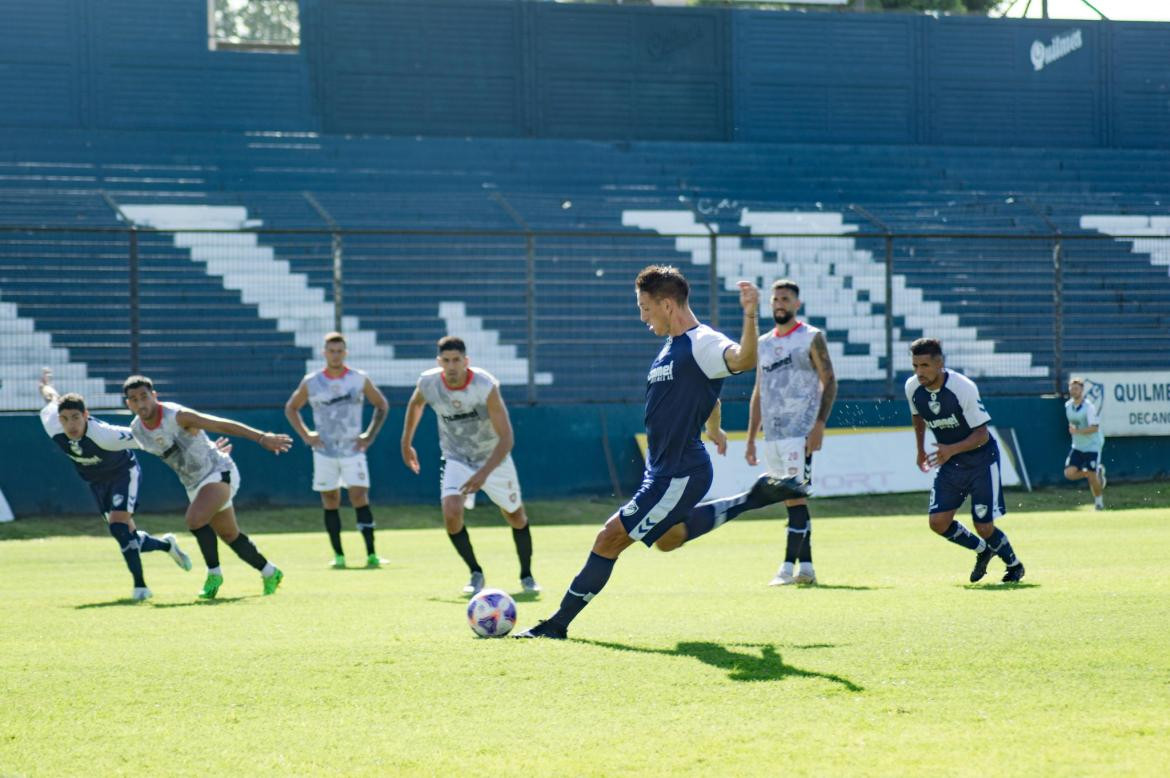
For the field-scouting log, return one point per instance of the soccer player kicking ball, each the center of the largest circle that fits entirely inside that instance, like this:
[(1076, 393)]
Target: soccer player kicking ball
[(682, 393), (103, 457), (966, 455), (177, 435)]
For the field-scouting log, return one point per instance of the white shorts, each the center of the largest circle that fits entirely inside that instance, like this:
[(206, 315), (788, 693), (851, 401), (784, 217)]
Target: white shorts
[(502, 485), (232, 477), (785, 458), (331, 473)]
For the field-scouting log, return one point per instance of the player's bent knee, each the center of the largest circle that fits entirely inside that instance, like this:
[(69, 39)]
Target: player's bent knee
[(516, 518), (985, 528), (673, 538), (331, 501), (359, 496), (1071, 473), (940, 521), (796, 502), (612, 540)]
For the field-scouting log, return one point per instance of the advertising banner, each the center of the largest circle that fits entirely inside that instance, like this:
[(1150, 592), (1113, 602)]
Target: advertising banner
[(1131, 404)]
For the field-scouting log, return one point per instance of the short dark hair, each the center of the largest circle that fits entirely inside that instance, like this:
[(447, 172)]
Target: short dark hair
[(335, 337), (660, 281), (71, 402), (452, 343), (930, 347), (786, 283), (135, 381)]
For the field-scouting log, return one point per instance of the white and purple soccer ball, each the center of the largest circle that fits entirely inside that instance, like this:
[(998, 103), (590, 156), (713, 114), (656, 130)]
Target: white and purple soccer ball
[(491, 613)]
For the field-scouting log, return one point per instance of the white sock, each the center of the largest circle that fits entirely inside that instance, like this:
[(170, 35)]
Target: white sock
[(1099, 500), (786, 569), (806, 568), (268, 570), (215, 570)]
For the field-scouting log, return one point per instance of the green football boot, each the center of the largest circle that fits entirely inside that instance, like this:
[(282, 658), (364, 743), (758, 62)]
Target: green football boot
[(373, 560), (273, 581), (211, 586), (338, 562)]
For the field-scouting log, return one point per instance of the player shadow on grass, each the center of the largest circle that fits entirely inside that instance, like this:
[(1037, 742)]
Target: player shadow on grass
[(999, 586), (463, 599), (741, 666), (843, 587)]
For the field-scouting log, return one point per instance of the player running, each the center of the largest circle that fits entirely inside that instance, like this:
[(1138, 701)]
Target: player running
[(792, 398), (336, 394), (966, 455), (682, 393), (177, 435), (475, 437), (1084, 426), (103, 457)]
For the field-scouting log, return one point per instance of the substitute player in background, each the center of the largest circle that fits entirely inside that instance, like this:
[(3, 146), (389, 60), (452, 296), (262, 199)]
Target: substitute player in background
[(1084, 426), (682, 393), (475, 437), (101, 453), (336, 394), (792, 399), (177, 435), (966, 455)]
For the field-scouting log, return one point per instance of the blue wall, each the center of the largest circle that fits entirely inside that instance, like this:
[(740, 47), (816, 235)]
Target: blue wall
[(506, 68), (559, 452)]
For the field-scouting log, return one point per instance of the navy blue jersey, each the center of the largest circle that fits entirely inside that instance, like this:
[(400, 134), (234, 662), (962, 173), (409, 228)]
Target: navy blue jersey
[(951, 413), (681, 390), (101, 454)]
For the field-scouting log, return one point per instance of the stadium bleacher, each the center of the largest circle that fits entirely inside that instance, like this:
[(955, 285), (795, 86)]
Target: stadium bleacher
[(252, 306)]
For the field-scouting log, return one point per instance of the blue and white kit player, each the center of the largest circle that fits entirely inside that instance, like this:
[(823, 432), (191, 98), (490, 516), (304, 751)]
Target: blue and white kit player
[(682, 393), (966, 455), (103, 456)]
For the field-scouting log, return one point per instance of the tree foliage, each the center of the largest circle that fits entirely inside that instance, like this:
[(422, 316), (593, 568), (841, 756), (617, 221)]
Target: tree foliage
[(257, 21)]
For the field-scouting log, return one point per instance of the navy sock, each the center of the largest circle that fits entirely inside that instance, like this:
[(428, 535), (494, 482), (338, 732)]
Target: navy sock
[(960, 535), (523, 540), (365, 524), (798, 535), (128, 542), (587, 585), (711, 515), (246, 550), (999, 543), (208, 545), (462, 544), (333, 527), (147, 542)]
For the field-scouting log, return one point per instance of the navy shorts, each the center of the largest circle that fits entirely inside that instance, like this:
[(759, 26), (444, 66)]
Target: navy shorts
[(118, 494), (1082, 460), (955, 481), (663, 501)]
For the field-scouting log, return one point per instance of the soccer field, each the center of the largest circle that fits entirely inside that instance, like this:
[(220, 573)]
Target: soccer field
[(686, 664)]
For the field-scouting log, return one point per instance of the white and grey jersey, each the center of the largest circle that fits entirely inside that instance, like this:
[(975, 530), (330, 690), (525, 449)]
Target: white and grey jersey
[(790, 387), (466, 433), (337, 410), (193, 457)]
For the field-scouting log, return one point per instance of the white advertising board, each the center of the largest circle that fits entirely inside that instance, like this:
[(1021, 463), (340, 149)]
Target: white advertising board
[(1131, 404)]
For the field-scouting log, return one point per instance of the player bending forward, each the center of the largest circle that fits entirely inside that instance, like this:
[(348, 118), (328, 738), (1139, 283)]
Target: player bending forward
[(177, 435)]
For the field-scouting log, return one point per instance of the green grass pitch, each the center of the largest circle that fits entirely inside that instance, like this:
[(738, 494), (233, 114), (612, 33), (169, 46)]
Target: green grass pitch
[(687, 664)]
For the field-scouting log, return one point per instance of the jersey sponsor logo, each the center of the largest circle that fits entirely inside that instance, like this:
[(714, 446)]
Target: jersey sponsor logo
[(778, 364), (86, 460), (630, 508), (340, 399), (472, 414), (947, 423), (661, 373)]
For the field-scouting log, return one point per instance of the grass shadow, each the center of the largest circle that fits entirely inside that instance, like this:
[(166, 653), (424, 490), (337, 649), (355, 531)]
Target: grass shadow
[(740, 666), (204, 603), (842, 587), (109, 604), (999, 586), (463, 599)]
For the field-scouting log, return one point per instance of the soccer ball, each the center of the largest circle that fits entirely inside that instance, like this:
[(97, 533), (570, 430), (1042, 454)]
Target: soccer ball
[(491, 613)]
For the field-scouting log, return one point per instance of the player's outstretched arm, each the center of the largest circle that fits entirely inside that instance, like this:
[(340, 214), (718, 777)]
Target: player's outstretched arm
[(292, 412), (381, 411), (742, 356), (414, 412), (498, 414), (819, 354), (276, 442), (46, 386)]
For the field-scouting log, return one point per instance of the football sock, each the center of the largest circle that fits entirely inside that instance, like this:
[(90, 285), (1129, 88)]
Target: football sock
[(246, 550), (960, 535), (798, 532), (587, 585), (365, 523), (1099, 501), (462, 544), (208, 545), (128, 542), (998, 542), (708, 516), (148, 542), (333, 527), (523, 540)]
